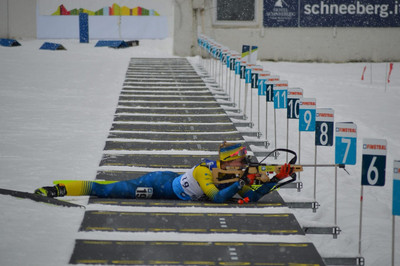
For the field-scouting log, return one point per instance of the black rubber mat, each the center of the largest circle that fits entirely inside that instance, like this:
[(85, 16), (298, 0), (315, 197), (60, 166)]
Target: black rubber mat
[(174, 127), (173, 104), (186, 111), (173, 119), (231, 136), (161, 146), (154, 160), (194, 253), (281, 223), (270, 200)]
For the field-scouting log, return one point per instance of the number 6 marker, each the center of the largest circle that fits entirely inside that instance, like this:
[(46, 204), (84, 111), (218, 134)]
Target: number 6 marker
[(374, 162)]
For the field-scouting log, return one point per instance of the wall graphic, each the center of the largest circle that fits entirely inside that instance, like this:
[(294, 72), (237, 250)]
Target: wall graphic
[(114, 10), (108, 19)]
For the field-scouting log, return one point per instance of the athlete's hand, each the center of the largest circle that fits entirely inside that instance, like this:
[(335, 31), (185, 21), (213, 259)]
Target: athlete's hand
[(285, 171)]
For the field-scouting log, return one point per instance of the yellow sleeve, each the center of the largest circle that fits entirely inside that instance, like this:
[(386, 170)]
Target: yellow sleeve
[(204, 177)]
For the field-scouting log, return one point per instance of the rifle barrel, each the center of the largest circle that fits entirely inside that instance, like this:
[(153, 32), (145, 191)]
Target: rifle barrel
[(323, 165)]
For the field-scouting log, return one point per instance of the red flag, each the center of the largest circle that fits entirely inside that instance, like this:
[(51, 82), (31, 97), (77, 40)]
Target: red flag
[(362, 76), (390, 71)]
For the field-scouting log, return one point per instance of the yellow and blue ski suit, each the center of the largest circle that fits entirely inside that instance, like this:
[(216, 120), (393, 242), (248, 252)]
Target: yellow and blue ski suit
[(196, 184)]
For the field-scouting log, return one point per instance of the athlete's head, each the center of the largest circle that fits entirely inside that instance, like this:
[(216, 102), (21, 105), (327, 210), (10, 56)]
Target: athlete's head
[(231, 151)]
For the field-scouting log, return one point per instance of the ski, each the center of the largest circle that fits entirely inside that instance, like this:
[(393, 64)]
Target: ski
[(38, 198)]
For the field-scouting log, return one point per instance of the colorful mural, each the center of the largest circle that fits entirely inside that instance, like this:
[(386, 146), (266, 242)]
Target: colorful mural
[(114, 10)]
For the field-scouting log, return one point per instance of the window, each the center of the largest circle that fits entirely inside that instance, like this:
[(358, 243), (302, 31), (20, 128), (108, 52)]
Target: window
[(235, 12)]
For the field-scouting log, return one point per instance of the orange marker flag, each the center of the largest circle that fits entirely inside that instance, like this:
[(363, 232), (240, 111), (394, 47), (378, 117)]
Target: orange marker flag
[(390, 72), (362, 76)]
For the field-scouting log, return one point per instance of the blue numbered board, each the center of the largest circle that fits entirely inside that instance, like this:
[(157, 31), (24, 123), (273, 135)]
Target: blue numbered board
[(280, 95), (307, 114), (293, 102), (324, 127), (346, 143), (261, 83), (248, 75), (396, 188), (373, 162), (237, 67)]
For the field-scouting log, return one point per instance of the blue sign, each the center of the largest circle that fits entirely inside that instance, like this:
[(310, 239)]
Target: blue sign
[(261, 87), (262, 78), (331, 13), (346, 143), (284, 13), (307, 114), (248, 75), (396, 188), (280, 95), (373, 162), (237, 67)]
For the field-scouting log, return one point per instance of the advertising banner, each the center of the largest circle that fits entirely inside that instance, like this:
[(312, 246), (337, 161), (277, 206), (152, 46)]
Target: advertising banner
[(331, 13)]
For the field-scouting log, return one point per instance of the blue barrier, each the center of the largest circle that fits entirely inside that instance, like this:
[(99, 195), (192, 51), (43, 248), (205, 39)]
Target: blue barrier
[(83, 28), (52, 46), (112, 44), (9, 42)]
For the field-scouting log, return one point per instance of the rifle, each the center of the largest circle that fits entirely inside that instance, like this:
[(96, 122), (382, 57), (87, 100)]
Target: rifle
[(257, 171)]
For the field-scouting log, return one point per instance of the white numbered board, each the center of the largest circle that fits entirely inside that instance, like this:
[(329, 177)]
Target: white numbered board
[(346, 143), (307, 114), (373, 162)]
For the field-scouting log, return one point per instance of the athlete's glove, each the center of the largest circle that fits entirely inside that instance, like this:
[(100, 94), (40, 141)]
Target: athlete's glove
[(285, 171)]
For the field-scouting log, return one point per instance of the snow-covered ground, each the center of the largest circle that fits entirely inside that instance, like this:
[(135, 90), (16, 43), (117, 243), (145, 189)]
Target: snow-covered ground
[(56, 109)]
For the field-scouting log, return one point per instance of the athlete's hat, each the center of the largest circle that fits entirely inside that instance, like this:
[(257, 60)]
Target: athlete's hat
[(231, 151)]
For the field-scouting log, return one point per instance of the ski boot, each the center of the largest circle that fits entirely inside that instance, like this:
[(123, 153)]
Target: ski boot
[(51, 192)]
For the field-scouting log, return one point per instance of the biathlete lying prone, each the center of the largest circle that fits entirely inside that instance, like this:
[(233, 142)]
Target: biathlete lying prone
[(196, 184)]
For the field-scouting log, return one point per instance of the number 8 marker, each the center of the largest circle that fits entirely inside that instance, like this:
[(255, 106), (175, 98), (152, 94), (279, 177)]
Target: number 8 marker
[(324, 127)]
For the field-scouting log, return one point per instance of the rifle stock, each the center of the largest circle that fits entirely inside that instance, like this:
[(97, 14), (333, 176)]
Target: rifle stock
[(261, 171)]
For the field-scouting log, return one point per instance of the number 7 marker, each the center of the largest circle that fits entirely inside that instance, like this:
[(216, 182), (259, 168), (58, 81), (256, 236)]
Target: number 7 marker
[(346, 143)]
